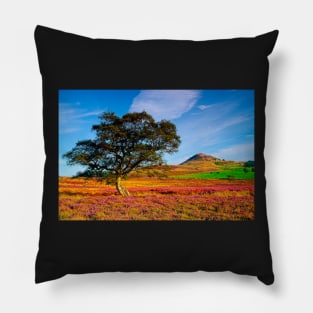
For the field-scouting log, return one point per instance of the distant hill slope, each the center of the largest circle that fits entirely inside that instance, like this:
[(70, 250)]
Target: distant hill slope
[(201, 157), (198, 163)]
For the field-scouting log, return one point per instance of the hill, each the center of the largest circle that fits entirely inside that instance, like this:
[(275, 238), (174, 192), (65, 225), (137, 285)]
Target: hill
[(201, 157), (199, 165)]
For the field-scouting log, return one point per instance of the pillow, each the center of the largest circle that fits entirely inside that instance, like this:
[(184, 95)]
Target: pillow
[(154, 155)]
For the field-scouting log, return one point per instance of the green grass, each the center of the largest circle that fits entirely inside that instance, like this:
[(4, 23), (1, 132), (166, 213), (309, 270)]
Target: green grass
[(223, 173)]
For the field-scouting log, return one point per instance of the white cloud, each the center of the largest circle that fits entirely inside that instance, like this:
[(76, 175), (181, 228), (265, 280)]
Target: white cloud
[(165, 104), (207, 131), (67, 111), (90, 113), (232, 121), (75, 115), (204, 107), (240, 152), (69, 130)]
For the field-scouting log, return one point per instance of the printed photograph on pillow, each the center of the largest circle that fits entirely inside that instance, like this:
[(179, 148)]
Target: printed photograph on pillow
[(169, 155)]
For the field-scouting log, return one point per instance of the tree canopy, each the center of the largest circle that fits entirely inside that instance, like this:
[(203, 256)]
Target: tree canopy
[(123, 144)]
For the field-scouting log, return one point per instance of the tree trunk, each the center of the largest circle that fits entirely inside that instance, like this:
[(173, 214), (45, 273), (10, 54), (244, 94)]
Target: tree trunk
[(122, 191)]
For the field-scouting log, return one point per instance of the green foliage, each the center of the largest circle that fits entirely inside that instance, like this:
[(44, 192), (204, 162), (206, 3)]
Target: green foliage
[(218, 163), (229, 176), (123, 144), (249, 164), (99, 175)]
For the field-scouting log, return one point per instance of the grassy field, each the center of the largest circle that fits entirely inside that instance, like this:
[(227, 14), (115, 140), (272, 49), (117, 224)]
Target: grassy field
[(153, 199), (237, 172), (201, 189)]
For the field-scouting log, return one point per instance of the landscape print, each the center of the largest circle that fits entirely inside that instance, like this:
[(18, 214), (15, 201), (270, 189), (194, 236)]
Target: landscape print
[(156, 155)]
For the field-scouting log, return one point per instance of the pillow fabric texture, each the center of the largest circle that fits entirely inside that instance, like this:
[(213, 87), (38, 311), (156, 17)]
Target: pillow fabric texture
[(70, 63)]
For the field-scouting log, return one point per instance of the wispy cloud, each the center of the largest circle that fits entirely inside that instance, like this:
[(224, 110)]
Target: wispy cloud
[(92, 113), (71, 119), (65, 130), (63, 112), (239, 152), (203, 107), (165, 104), (74, 115), (230, 122), (208, 129), (223, 125)]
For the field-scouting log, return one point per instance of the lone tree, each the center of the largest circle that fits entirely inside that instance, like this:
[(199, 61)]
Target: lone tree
[(123, 144)]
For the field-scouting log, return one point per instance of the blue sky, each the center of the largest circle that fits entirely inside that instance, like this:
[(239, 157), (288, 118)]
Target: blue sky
[(216, 122)]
